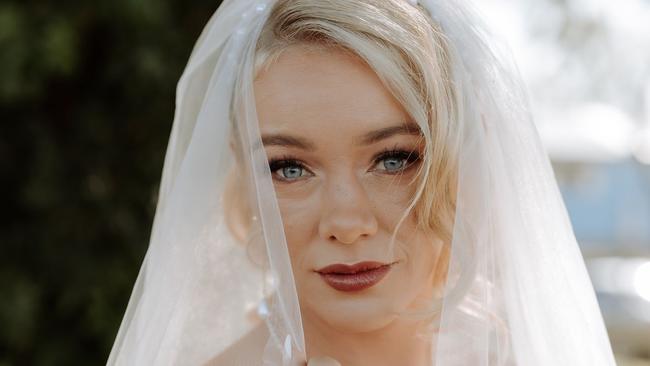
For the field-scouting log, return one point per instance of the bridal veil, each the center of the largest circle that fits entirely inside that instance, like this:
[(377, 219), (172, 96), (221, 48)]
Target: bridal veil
[(516, 291)]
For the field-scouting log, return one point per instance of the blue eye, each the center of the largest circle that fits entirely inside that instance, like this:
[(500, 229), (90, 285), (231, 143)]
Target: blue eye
[(393, 164), (287, 170), (396, 161), (291, 172)]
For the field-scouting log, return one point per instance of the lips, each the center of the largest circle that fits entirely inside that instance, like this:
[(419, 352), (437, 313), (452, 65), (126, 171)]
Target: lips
[(356, 277)]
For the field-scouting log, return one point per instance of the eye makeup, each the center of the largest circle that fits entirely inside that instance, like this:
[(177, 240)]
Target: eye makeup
[(285, 168), (390, 161), (395, 160)]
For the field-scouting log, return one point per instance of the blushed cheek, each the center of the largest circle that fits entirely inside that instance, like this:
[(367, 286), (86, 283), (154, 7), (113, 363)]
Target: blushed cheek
[(428, 249), (299, 220), (421, 249), (391, 196)]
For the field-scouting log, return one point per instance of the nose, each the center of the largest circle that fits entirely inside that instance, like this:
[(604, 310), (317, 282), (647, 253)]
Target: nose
[(347, 213)]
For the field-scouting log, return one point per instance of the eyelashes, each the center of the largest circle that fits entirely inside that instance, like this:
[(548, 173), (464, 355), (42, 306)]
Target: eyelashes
[(287, 169), (390, 162), (396, 161)]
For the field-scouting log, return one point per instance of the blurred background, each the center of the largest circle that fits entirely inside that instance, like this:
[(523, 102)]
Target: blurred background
[(587, 66), (87, 100)]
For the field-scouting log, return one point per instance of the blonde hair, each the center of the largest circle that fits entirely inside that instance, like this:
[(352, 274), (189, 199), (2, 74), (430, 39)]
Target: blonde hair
[(408, 52)]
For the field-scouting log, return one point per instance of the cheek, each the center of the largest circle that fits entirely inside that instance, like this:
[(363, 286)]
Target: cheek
[(390, 197), (300, 218), (425, 256), (421, 252)]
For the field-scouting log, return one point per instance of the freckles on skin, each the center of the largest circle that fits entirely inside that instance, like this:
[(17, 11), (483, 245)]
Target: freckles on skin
[(301, 90), (316, 108), (298, 217)]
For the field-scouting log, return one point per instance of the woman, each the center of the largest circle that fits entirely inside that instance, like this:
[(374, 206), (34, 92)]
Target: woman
[(358, 180)]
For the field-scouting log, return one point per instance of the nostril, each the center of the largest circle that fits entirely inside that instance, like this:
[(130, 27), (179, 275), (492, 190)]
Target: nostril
[(347, 223)]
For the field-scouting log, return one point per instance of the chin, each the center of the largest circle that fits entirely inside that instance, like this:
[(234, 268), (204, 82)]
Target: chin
[(353, 316), (361, 312)]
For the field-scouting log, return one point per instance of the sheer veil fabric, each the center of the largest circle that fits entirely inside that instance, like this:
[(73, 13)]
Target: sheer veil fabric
[(517, 291)]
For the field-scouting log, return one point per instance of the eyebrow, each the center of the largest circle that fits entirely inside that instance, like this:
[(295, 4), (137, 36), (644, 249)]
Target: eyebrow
[(384, 133), (287, 141), (367, 139)]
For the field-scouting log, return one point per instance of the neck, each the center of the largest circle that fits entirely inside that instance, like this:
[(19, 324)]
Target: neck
[(401, 342)]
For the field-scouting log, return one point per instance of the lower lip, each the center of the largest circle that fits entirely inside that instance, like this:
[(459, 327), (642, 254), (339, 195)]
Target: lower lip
[(355, 281)]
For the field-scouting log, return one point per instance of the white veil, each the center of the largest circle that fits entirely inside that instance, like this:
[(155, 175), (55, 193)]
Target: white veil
[(517, 291)]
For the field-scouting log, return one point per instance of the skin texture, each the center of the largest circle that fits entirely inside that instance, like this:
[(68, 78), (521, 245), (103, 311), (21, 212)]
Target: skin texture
[(341, 194)]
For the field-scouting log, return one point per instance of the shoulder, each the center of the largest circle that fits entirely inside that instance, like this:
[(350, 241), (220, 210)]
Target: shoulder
[(247, 351)]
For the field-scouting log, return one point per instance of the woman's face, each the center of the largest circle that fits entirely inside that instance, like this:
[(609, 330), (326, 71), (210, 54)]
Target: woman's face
[(344, 156)]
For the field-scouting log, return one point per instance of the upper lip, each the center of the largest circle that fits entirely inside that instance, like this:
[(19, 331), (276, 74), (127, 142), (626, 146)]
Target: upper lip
[(351, 268)]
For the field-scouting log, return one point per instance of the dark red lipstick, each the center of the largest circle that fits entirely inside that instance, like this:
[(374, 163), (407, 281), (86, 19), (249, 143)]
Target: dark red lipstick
[(356, 277)]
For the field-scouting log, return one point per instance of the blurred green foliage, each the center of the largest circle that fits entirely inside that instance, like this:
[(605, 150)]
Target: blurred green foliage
[(87, 100)]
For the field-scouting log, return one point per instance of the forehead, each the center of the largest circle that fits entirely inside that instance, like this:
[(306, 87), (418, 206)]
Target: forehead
[(320, 91)]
